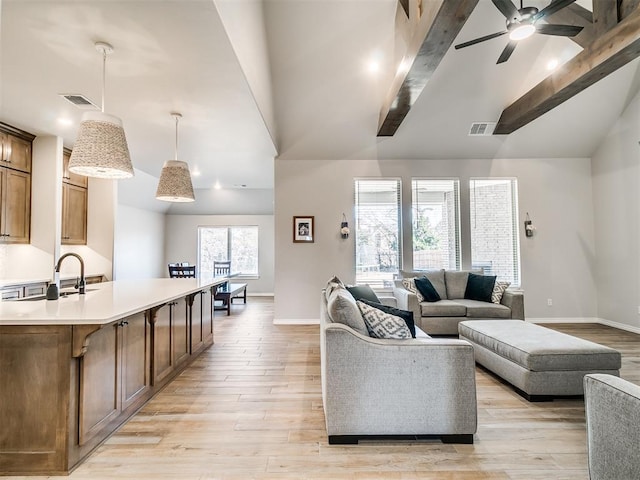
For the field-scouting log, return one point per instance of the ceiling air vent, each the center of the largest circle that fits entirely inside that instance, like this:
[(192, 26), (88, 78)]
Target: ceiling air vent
[(482, 129), (80, 101)]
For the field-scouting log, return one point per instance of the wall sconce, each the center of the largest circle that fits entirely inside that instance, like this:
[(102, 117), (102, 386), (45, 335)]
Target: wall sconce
[(528, 227), (344, 227)]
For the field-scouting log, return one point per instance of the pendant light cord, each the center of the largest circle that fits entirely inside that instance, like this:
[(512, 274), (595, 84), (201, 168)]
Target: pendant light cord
[(176, 153), (104, 75)]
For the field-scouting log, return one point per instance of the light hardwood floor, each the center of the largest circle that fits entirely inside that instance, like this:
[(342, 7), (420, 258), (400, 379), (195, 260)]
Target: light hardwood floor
[(250, 407)]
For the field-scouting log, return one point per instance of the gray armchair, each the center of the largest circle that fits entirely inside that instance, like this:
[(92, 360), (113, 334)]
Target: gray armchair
[(612, 407)]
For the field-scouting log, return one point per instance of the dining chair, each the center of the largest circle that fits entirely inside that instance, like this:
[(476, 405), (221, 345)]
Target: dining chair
[(182, 270)]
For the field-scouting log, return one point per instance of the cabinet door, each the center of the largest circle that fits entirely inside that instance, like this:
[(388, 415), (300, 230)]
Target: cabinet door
[(17, 153), (180, 330), (162, 358), (16, 206), (197, 337), (69, 177), (99, 394), (135, 358), (74, 215)]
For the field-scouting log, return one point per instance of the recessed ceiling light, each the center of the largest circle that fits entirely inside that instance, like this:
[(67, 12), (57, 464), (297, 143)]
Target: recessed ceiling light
[(552, 64), (217, 186), (195, 172), (65, 122), (374, 66)]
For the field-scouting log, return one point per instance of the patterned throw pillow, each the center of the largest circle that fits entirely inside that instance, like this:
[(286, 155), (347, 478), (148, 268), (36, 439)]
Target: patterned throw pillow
[(498, 291), (383, 325), (410, 284)]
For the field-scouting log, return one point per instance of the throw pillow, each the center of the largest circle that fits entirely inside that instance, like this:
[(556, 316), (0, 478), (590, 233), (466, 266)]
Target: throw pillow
[(410, 284), (332, 284), (406, 315), (498, 291), (383, 325), (426, 288), (342, 308), (479, 287), (363, 292)]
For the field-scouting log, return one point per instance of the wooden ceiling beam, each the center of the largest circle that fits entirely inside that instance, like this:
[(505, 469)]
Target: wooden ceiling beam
[(613, 49), (438, 27)]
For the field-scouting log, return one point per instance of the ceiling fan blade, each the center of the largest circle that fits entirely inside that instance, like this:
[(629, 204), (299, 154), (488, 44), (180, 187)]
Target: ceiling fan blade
[(508, 9), (552, 8), (478, 40), (506, 53), (560, 30)]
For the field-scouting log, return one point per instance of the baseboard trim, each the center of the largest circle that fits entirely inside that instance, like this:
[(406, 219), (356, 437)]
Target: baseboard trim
[(620, 326), (565, 320), (296, 321), (259, 294)]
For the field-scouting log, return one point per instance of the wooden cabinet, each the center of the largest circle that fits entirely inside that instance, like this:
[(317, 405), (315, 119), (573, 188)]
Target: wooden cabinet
[(15, 152), (171, 338), (113, 375), (74, 215), (74, 204), (201, 323), (15, 206), (15, 184), (69, 177)]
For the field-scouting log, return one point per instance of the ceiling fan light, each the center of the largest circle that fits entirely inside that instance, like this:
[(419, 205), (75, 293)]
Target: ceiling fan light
[(522, 31), (101, 148), (175, 183)]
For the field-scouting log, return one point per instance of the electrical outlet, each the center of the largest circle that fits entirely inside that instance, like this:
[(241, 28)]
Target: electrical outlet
[(549, 302)]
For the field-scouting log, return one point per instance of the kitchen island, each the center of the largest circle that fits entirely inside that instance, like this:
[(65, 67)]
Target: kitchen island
[(73, 370)]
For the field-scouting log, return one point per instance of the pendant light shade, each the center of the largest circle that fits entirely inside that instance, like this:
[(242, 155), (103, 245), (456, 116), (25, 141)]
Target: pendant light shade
[(175, 180), (101, 148)]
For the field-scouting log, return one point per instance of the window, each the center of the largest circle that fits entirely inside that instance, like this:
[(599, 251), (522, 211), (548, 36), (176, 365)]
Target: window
[(237, 244), (377, 219), (494, 227), (436, 224)]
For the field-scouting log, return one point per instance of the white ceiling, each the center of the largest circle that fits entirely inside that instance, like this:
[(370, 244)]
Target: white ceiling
[(173, 55)]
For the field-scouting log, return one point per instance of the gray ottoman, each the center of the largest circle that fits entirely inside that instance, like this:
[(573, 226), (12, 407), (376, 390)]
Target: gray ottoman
[(541, 363)]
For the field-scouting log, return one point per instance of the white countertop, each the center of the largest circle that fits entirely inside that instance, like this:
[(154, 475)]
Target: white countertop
[(102, 303)]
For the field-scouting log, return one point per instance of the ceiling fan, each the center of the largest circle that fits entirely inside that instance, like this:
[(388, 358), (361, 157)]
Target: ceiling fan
[(523, 22)]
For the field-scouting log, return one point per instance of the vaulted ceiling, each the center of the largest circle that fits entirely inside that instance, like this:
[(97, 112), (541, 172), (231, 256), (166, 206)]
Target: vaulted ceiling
[(296, 79)]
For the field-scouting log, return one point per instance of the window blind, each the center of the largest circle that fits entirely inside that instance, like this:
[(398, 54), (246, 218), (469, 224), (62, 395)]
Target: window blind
[(435, 223), (494, 227), (377, 231)]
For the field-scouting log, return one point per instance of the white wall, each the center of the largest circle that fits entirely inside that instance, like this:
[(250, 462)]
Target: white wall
[(139, 244), (182, 243), (557, 263), (616, 180)]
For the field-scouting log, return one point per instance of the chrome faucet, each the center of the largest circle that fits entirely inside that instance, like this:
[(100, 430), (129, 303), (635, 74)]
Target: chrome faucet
[(80, 285)]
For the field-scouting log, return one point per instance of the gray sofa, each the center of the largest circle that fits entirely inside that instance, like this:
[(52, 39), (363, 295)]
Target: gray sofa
[(612, 407), (442, 317), (418, 387)]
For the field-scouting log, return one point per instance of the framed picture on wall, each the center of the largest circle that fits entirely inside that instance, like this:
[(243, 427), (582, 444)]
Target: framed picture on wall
[(303, 229)]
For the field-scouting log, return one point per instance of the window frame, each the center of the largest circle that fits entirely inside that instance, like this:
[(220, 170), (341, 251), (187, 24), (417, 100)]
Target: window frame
[(457, 220), (516, 281), (383, 284)]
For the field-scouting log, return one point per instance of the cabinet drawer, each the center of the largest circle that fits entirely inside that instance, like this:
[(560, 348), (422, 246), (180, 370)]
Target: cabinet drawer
[(12, 293)]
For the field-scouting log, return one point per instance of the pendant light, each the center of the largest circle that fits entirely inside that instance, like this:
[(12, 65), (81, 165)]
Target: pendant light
[(101, 147), (175, 179)]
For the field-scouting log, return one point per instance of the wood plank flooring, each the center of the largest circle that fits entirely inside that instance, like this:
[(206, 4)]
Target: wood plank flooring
[(250, 407)]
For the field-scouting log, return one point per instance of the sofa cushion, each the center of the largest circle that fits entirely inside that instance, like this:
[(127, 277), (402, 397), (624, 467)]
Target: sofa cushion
[(406, 315), (436, 277), (498, 291), (425, 287), (342, 308), (443, 308), (456, 282), (479, 287), (365, 292), (479, 309), (383, 325)]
